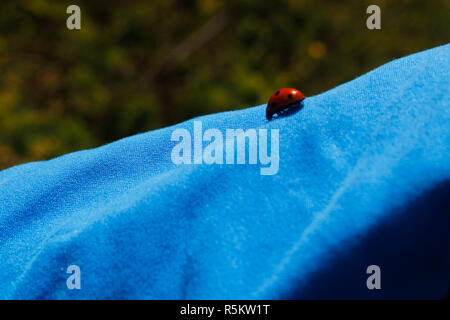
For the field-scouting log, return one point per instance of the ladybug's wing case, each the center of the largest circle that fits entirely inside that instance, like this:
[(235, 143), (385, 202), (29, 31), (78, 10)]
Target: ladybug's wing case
[(282, 99)]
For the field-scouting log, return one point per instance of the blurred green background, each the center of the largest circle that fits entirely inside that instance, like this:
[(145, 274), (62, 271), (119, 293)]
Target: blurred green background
[(140, 65)]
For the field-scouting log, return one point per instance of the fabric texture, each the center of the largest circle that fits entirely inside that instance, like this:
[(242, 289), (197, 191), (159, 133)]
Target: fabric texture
[(363, 179)]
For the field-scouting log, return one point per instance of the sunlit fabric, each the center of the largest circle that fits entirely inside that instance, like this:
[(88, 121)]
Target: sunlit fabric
[(363, 179)]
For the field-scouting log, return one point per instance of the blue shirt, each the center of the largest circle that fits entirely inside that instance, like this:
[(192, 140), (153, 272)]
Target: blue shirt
[(363, 180)]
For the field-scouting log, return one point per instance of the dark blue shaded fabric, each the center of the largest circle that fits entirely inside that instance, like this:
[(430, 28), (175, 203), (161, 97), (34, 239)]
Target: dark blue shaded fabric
[(364, 178)]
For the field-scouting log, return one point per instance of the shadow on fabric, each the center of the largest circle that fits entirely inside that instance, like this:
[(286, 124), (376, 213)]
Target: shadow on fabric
[(414, 242)]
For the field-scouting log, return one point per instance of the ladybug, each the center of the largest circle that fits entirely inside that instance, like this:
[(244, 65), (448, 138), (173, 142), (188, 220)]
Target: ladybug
[(281, 100)]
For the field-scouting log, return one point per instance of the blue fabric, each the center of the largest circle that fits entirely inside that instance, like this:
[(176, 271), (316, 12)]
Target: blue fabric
[(363, 179)]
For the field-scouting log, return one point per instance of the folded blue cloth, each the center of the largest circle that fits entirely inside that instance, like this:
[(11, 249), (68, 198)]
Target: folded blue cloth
[(363, 179)]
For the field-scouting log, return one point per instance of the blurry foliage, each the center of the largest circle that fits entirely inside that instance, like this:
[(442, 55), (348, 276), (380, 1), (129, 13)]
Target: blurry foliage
[(140, 65)]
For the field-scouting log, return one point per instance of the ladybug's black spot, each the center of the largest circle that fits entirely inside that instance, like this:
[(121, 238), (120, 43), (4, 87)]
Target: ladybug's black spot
[(274, 104), (277, 93), (290, 96)]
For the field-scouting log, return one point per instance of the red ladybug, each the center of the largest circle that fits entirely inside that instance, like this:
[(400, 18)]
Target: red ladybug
[(283, 99)]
